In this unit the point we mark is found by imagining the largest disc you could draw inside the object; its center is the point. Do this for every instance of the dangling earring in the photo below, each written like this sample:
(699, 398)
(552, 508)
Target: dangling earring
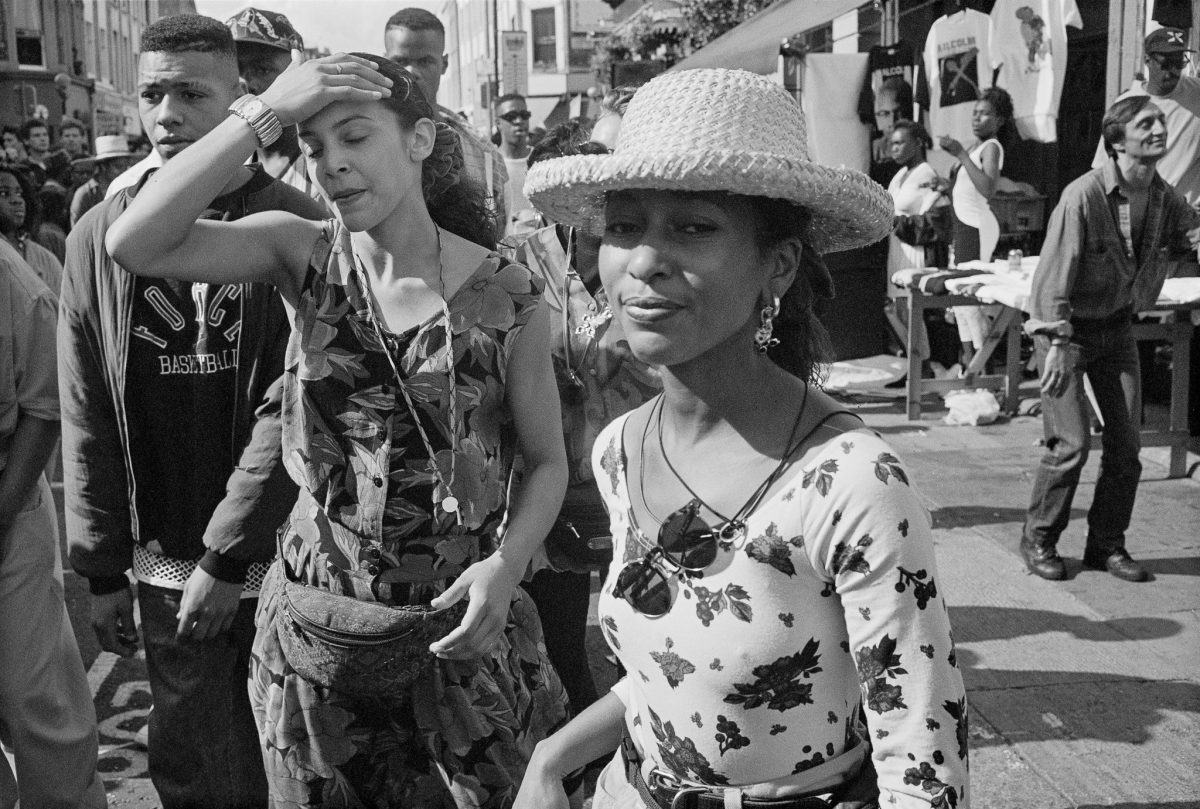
(766, 325)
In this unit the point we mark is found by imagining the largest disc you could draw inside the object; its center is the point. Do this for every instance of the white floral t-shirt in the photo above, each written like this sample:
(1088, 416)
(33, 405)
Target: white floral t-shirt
(827, 603)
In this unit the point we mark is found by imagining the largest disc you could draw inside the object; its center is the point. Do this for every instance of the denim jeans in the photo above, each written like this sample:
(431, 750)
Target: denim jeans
(204, 749)
(1107, 355)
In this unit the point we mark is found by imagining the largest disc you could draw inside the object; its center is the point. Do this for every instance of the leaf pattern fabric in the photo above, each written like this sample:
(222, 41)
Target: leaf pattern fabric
(837, 615)
(365, 526)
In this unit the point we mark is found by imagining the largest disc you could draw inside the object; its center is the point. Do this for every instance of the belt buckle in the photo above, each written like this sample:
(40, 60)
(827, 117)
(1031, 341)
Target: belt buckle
(684, 792)
(668, 781)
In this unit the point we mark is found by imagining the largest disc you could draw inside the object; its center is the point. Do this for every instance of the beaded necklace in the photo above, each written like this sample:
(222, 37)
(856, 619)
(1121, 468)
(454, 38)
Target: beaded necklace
(449, 503)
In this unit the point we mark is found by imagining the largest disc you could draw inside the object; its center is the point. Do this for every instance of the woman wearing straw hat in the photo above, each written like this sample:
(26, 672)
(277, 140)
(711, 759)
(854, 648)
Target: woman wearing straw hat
(774, 582)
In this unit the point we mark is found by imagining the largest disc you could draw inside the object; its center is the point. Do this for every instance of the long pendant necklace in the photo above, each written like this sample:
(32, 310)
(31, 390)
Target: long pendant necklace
(731, 526)
(449, 503)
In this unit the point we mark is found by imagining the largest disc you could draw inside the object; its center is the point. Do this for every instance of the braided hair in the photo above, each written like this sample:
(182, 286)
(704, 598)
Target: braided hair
(455, 202)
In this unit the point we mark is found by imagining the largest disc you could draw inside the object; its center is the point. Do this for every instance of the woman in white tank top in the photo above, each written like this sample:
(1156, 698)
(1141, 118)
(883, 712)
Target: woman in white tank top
(976, 229)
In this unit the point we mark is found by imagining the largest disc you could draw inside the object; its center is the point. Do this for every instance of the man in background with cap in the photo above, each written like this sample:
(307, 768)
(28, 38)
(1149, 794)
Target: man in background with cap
(264, 41)
(416, 40)
(1178, 96)
(112, 157)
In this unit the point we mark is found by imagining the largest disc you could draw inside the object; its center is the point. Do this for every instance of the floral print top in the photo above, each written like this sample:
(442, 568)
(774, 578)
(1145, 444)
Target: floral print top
(365, 523)
(828, 602)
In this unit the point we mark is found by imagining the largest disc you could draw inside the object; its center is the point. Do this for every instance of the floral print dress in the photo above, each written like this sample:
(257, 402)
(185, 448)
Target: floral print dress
(365, 526)
(828, 604)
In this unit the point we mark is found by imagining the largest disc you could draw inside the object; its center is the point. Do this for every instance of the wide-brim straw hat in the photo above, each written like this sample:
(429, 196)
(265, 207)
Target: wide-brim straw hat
(108, 147)
(715, 130)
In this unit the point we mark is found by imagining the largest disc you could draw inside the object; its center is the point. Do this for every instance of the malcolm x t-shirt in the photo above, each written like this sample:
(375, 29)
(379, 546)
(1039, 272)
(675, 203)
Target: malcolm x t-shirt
(180, 394)
(958, 68)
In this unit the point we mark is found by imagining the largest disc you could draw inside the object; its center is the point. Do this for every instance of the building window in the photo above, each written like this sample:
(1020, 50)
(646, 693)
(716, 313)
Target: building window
(581, 50)
(27, 19)
(545, 43)
(29, 48)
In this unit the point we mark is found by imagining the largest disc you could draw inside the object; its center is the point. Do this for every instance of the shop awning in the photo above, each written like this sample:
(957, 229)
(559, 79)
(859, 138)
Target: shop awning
(754, 45)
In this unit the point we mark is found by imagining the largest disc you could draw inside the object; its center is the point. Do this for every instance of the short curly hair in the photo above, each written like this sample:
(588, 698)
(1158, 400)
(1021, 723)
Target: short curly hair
(188, 33)
(416, 19)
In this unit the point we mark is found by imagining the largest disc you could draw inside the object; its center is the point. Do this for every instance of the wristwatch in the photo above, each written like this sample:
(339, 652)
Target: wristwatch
(262, 119)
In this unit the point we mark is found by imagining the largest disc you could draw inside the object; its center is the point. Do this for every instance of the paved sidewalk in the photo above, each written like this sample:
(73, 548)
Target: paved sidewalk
(1085, 692)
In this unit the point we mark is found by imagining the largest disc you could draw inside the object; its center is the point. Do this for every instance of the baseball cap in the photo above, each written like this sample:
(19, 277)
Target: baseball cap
(264, 28)
(1167, 40)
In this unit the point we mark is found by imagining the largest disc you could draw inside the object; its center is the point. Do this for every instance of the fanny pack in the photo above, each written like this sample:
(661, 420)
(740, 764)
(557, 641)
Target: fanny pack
(357, 647)
(581, 539)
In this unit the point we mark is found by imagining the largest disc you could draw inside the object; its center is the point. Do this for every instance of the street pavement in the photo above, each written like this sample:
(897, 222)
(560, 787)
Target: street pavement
(1084, 693)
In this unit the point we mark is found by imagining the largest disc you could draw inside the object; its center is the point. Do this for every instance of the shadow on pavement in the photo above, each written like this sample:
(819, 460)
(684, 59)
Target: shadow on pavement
(970, 516)
(1177, 566)
(981, 623)
(1074, 705)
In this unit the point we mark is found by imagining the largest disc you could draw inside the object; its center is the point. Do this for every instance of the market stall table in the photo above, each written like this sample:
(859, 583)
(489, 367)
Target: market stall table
(994, 284)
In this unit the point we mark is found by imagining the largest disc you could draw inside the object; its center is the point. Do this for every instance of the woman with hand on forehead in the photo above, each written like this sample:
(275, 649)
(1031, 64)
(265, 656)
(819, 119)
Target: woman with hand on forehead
(774, 580)
(418, 365)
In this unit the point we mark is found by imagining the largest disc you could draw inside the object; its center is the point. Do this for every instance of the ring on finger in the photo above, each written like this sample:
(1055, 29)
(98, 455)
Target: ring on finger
(338, 67)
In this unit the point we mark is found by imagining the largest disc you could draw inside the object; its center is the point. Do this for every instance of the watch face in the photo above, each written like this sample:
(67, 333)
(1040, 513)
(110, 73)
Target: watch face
(253, 107)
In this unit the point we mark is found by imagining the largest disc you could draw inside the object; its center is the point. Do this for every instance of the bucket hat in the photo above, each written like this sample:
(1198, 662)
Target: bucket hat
(108, 147)
(715, 130)
(261, 27)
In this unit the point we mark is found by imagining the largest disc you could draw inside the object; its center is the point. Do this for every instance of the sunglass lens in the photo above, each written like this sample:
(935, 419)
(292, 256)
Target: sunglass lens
(645, 588)
(688, 539)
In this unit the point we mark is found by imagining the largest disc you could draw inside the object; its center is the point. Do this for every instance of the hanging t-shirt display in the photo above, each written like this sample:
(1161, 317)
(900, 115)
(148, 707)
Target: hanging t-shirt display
(1029, 45)
(1173, 13)
(958, 67)
(891, 64)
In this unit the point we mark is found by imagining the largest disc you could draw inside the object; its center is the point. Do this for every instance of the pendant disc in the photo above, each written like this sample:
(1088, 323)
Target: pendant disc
(450, 504)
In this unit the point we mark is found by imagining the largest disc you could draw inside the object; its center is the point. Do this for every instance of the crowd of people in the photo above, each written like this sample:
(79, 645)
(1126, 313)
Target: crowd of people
(356, 403)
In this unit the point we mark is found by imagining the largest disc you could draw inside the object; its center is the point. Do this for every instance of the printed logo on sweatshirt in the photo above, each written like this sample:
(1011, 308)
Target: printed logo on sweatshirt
(208, 344)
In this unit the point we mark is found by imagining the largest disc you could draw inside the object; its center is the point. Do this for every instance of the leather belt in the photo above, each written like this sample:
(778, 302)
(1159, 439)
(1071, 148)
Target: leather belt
(666, 795)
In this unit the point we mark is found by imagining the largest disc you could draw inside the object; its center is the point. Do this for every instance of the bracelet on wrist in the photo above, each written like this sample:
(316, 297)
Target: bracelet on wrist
(261, 118)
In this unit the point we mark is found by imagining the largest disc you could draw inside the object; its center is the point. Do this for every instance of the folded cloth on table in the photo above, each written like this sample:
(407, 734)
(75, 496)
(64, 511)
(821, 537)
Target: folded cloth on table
(1012, 295)
(1180, 290)
(1028, 265)
(905, 279)
(935, 284)
(961, 285)
(864, 373)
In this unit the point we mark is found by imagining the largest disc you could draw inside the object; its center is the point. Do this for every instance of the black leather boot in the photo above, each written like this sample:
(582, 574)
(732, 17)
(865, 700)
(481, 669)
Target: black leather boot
(1043, 560)
(1117, 562)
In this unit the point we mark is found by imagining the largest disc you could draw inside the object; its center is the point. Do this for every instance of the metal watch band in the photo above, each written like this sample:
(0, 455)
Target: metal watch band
(264, 122)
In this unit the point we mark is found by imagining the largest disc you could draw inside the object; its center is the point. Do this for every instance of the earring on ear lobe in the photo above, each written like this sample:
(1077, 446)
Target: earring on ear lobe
(766, 325)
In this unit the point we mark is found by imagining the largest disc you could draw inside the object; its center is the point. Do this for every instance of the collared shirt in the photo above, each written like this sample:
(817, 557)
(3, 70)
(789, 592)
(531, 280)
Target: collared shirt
(133, 175)
(1089, 268)
(482, 162)
(598, 377)
(28, 370)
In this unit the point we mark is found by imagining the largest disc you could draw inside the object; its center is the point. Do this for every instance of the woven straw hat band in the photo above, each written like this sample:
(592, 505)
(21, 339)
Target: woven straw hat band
(719, 111)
